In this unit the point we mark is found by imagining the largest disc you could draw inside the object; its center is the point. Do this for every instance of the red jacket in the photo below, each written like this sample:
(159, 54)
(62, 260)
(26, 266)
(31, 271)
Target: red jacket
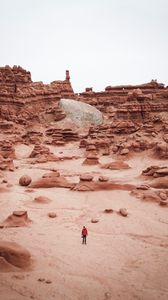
(84, 232)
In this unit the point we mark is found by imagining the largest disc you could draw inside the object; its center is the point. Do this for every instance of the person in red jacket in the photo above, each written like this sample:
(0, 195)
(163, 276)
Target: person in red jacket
(84, 235)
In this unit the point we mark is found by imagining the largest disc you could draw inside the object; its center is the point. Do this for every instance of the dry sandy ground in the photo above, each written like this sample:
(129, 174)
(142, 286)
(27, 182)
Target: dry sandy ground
(125, 258)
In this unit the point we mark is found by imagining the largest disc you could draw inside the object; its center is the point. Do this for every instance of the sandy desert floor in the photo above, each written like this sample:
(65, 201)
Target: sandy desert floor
(125, 258)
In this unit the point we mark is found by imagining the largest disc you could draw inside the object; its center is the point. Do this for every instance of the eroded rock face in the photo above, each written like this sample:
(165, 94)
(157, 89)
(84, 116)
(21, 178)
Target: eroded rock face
(60, 136)
(7, 150)
(136, 103)
(22, 100)
(155, 171)
(15, 255)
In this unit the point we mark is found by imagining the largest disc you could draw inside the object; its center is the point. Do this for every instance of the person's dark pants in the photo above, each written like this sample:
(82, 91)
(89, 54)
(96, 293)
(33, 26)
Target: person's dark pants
(84, 239)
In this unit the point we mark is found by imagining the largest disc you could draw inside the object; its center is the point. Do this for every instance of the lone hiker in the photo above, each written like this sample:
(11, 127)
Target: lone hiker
(84, 234)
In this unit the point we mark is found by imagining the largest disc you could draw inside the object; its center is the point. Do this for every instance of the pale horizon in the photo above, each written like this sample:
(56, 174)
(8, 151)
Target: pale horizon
(101, 43)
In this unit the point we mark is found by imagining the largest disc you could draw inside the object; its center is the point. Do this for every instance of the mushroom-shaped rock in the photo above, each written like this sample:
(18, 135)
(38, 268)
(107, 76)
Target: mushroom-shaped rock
(25, 180)
(42, 199)
(91, 159)
(18, 218)
(15, 254)
(52, 215)
(123, 212)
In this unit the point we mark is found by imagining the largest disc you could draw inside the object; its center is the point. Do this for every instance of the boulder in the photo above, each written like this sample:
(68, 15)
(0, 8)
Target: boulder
(25, 180)
(82, 114)
(123, 212)
(52, 215)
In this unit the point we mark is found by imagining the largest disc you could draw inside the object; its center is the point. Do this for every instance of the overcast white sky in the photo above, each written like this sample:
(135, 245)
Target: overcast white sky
(101, 42)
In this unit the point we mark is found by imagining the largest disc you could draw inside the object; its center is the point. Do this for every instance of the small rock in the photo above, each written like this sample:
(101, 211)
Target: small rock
(163, 202)
(4, 181)
(163, 196)
(41, 279)
(86, 177)
(52, 214)
(103, 179)
(108, 210)
(9, 185)
(48, 281)
(124, 151)
(18, 276)
(29, 190)
(94, 220)
(123, 212)
(143, 187)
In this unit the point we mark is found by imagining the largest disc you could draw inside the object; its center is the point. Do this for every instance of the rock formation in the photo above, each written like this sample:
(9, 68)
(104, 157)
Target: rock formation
(42, 154)
(17, 219)
(14, 255)
(25, 180)
(116, 165)
(51, 180)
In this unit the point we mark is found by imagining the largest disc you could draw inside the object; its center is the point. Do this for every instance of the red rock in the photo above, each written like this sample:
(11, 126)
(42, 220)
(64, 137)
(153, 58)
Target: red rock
(15, 254)
(123, 212)
(42, 199)
(86, 177)
(25, 180)
(116, 165)
(52, 214)
(108, 210)
(17, 219)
